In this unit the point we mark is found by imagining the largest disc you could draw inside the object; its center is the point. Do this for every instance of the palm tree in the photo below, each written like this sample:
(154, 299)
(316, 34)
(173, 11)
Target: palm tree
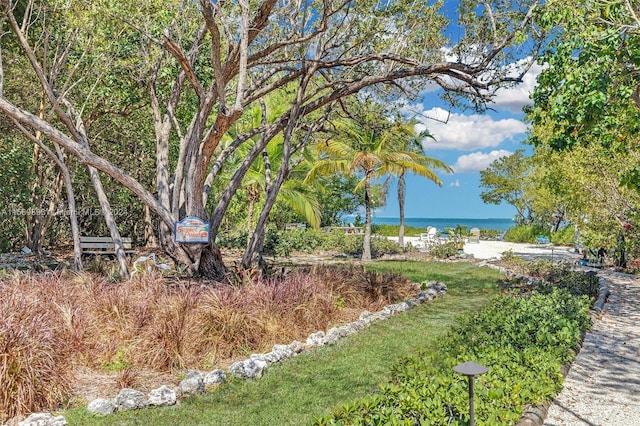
(407, 140)
(293, 193)
(370, 153)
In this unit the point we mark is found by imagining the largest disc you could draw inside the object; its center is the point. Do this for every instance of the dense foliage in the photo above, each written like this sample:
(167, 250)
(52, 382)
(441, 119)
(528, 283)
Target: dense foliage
(523, 341)
(285, 243)
(191, 108)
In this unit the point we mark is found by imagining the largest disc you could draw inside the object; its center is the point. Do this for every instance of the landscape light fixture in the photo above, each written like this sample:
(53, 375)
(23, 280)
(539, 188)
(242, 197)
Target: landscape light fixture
(470, 369)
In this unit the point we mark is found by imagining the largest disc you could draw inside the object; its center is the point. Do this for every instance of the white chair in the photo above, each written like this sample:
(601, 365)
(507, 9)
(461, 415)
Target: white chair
(475, 235)
(430, 237)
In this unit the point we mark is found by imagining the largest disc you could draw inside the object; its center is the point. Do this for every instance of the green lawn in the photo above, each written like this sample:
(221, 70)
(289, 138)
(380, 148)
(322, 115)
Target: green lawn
(297, 390)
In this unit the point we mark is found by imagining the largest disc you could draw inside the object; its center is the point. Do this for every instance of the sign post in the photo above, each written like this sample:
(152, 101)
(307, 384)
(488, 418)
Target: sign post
(191, 230)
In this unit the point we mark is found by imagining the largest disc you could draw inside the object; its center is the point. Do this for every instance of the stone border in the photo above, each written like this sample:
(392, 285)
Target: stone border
(197, 382)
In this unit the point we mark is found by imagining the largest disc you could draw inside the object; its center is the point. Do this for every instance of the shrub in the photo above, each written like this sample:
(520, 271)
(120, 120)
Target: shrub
(310, 240)
(444, 251)
(34, 352)
(236, 240)
(550, 276)
(301, 240)
(53, 323)
(564, 237)
(523, 341)
(353, 245)
(490, 234)
(394, 230)
(525, 233)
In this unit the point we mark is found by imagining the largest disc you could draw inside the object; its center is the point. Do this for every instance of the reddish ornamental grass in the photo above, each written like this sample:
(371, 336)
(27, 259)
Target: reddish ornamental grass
(55, 323)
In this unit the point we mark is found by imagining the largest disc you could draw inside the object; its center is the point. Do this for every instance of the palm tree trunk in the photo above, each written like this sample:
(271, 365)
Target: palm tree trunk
(401, 193)
(366, 246)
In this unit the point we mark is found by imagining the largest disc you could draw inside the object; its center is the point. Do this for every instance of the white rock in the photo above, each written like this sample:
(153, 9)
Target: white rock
(316, 339)
(162, 396)
(281, 352)
(215, 377)
(130, 399)
(101, 406)
(248, 369)
(43, 419)
(193, 383)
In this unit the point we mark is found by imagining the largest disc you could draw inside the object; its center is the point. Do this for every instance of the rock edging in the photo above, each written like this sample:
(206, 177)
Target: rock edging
(197, 382)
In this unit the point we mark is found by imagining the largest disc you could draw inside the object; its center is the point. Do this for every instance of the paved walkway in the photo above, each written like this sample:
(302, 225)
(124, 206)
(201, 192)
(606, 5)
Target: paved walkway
(603, 385)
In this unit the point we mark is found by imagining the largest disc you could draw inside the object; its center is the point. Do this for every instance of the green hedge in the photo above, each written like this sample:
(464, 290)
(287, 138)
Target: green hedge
(522, 341)
(525, 233)
(529, 233)
(310, 240)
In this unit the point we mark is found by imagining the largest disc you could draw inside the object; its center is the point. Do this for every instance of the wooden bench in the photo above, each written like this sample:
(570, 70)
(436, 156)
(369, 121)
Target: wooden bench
(103, 245)
(292, 226)
(346, 229)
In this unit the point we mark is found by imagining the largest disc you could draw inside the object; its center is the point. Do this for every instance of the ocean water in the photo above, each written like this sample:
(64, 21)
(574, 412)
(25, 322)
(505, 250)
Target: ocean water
(501, 224)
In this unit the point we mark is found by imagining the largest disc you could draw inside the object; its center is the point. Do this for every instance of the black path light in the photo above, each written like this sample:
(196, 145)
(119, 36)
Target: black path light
(470, 369)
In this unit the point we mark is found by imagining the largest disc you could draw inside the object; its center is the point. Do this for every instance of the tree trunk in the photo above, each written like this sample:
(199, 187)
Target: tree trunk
(73, 217)
(38, 222)
(256, 242)
(105, 206)
(212, 265)
(401, 194)
(366, 245)
(150, 238)
(58, 158)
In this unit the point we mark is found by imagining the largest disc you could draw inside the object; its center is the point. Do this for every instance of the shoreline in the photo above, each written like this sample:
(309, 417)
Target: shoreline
(486, 249)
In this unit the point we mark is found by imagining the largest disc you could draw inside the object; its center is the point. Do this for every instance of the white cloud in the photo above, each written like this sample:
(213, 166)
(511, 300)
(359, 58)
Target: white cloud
(478, 160)
(466, 132)
(514, 98)
(455, 184)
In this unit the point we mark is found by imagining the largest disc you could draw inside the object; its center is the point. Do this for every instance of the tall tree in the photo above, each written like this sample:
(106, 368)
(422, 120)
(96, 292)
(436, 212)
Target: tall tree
(371, 153)
(589, 89)
(406, 140)
(207, 62)
(587, 103)
(507, 180)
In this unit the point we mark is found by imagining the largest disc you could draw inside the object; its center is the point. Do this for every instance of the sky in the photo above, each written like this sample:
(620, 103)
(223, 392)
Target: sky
(468, 142)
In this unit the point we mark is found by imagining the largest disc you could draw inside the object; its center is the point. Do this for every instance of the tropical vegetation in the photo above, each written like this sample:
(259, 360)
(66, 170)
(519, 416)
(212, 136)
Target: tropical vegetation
(122, 118)
(164, 110)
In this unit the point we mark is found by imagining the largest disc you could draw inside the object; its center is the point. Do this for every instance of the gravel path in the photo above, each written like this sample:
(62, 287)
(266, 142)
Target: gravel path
(603, 385)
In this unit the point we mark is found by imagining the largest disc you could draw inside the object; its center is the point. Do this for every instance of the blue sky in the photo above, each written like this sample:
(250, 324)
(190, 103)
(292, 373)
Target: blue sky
(468, 142)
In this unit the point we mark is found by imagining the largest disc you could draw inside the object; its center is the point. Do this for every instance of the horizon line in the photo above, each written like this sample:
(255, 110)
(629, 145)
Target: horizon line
(448, 218)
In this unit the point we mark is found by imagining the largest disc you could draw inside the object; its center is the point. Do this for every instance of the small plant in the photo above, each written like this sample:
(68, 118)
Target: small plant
(458, 235)
(239, 275)
(514, 262)
(444, 251)
(127, 378)
(118, 362)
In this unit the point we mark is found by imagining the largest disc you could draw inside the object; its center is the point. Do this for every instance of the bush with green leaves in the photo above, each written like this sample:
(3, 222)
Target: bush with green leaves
(490, 234)
(525, 233)
(444, 251)
(564, 237)
(523, 342)
(309, 240)
(379, 246)
(394, 230)
(548, 276)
